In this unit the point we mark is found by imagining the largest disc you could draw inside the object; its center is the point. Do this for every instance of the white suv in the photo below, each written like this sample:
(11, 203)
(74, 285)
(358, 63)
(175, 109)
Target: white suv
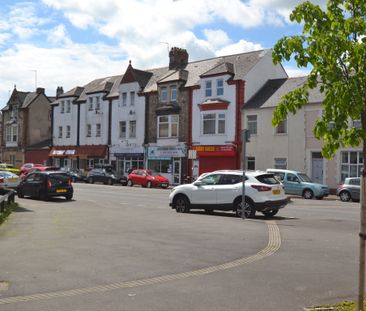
(222, 190)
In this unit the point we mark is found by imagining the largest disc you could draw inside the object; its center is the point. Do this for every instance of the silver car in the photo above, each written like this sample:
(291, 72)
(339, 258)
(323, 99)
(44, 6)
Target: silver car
(350, 189)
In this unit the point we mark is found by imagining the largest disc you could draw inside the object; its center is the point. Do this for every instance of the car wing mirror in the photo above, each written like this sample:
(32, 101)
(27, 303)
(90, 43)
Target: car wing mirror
(198, 183)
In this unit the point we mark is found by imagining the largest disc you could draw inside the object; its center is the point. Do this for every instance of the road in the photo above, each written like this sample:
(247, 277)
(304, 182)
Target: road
(119, 248)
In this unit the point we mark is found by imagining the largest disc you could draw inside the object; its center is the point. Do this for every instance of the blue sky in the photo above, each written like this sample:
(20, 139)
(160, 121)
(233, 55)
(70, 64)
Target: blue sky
(50, 43)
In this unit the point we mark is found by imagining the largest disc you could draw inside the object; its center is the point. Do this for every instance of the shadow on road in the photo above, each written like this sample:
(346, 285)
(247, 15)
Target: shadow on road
(232, 215)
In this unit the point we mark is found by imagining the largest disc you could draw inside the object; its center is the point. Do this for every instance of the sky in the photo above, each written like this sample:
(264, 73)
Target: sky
(68, 43)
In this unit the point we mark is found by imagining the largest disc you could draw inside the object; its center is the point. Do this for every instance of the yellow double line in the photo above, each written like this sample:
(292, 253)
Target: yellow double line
(274, 243)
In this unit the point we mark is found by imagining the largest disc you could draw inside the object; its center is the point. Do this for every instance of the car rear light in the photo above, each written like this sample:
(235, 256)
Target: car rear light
(49, 184)
(261, 188)
(69, 181)
(1, 180)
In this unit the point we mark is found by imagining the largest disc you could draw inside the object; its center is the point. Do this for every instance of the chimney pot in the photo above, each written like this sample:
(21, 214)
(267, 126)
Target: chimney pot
(40, 90)
(178, 58)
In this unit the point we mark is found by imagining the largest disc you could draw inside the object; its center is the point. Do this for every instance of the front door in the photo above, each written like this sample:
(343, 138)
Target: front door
(317, 167)
(176, 171)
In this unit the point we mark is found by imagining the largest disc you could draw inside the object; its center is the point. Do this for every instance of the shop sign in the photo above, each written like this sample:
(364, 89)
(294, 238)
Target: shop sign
(119, 151)
(58, 152)
(70, 152)
(166, 152)
(221, 148)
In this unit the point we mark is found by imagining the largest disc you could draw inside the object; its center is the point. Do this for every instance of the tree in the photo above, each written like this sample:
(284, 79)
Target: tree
(333, 44)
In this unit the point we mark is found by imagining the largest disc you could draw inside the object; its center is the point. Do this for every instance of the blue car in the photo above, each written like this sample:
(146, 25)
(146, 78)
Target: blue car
(298, 183)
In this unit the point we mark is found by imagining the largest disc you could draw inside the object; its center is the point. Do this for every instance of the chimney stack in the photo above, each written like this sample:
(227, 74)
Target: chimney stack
(178, 58)
(59, 91)
(40, 90)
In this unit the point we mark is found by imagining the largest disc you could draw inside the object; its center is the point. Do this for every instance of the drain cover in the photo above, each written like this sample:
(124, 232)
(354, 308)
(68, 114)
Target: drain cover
(4, 285)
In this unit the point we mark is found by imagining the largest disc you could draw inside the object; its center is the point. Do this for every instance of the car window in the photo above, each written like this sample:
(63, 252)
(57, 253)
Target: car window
(279, 175)
(268, 179)
(292, 177)
(58, 177)
(305, 177)
(355, 182)
(227, 179)
(211, 179)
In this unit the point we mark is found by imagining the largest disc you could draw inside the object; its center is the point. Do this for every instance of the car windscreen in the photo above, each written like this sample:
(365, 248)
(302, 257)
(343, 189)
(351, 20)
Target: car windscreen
(59, 179)
(268, 179)
(304, 177)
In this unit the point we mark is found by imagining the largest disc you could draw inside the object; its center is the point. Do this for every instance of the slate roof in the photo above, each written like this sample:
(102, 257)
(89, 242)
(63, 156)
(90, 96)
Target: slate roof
(271, 93)
(220, 69)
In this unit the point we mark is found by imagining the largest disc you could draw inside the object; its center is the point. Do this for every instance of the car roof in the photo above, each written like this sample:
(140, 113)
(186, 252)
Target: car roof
(283, 170)
(49, 172)
(239, 172)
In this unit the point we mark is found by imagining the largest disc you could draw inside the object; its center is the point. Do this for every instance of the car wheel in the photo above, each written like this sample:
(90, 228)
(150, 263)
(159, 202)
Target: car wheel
(345, 196)
(90, 180)
(181, 204)
(249, 208)
(68, 197)
(129, 183)
(308, 194)
(148, 184)
(43, 195)
(270, 213)
(20, 193)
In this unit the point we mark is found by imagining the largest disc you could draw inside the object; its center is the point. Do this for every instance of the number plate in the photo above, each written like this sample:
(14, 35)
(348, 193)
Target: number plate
(12, 179)
(61, 190)
(164, 184)
(276, 191)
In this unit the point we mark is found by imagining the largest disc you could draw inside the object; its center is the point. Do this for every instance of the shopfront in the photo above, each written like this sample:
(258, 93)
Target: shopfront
(126, 158)
(215, 157)
(169, 161)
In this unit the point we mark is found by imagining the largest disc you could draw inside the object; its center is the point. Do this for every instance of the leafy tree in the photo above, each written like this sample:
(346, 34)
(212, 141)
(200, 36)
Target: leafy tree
(333, 43)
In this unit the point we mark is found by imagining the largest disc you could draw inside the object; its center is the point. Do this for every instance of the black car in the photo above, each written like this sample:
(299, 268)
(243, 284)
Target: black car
(101, 175)
(75, 174)
(46, 184)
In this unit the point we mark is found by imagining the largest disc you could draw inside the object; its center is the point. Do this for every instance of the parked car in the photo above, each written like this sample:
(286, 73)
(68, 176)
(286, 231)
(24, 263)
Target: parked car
(9, 179)
(350, 189)
(39, 169)
(46, 184)
(222, 190)
(26, 167)
(299, 183)
(9, 168)
(101, 175)
(75, 174)
(147, 178)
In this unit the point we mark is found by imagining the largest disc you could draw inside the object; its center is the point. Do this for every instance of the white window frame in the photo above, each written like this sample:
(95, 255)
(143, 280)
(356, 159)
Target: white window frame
(172, 123)
(208, 88)
(98, 130)
(218, 116)
(12, 134)
(90, 104)
(132, 127)
(88, 130)
(252, 125)
(97, 103)
(60, 132)
(282, 123)
(68, 131)
(219, 89)
(132, 98)
(124, 99)
(62, 107)
(351, 167)
(68, 106)
(122, 129)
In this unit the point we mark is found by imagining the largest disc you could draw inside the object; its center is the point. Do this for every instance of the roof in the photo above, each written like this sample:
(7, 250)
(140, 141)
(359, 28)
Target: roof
(272, 92)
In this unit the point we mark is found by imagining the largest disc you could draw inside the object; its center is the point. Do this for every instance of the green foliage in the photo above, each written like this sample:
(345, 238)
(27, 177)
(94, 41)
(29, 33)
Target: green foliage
(343, 306)
(333, 43)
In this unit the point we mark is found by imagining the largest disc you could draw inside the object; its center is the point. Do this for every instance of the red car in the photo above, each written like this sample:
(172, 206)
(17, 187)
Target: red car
(39, 168)
(27, 167)
(147, 178)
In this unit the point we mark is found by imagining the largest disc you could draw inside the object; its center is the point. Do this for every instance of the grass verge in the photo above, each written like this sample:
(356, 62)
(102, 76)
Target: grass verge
(342, 306)
(4, 215)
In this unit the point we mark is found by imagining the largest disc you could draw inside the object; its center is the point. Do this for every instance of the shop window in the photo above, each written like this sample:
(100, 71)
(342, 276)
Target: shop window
(220, 87)
(351, 164)
(132, 129)
(208, 88)
(213, 123)
(160, 166)
(122, 129)
(280, 163)
(168, 126)
(252, 124)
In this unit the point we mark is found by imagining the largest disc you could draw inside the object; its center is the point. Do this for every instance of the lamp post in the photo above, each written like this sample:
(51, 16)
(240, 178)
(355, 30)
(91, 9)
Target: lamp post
(245, 137)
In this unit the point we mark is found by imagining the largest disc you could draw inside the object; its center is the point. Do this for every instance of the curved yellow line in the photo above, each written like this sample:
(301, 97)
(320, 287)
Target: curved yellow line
(274, 243)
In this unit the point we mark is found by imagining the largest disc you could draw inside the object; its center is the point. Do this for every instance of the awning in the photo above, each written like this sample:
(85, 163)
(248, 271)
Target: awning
(85, 151)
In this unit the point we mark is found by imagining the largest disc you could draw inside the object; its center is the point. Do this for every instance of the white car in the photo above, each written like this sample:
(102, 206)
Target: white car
(9, 179)
(222, 190)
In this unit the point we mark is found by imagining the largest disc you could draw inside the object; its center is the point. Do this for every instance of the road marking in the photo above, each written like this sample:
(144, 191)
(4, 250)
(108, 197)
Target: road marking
(274, 244)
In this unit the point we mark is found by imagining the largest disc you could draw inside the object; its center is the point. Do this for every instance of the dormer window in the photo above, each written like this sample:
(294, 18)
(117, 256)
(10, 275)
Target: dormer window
(220, 87)
(163, 94)
(173, 93)
(208, 88)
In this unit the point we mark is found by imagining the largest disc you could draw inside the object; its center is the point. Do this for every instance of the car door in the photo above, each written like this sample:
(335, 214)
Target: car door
(228, 188)
(292, 184)
(204, 191)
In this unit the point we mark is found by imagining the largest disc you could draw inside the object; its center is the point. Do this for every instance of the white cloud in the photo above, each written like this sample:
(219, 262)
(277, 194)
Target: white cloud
(239, 47)
(217, 38)
(296, 72)
(58, 35)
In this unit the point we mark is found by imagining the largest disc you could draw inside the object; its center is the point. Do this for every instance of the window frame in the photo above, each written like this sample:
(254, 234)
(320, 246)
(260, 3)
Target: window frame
(68, 106)
(173, 90)
(62, 107)
(60, 134)
(68, 131)
(90, 104)
(252, 125)
(132, 98)
(124, 99)
(88, 130)
(163, 91)
(132, 129)
(121, 123)
(277, 163)
(216, 120)
(98, 130)
(282, 123)
(208, 88)
(172, 125)
(220, 87)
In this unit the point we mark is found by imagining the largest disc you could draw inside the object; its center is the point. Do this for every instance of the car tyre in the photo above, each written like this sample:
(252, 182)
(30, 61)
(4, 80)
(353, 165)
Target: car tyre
(270, 213)
(148, 184)
(90, 180)
(345, 196)
(129, 183)
(308, 194)
(68, 197)
(181, 204)
(110, 181)
(20, 194)
(249, 209)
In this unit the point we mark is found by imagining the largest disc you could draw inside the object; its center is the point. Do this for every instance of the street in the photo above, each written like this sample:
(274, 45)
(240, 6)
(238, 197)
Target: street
(121, 248)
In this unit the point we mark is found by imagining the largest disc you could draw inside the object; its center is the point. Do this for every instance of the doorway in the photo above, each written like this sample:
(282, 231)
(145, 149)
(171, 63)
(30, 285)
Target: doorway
(317, 167)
